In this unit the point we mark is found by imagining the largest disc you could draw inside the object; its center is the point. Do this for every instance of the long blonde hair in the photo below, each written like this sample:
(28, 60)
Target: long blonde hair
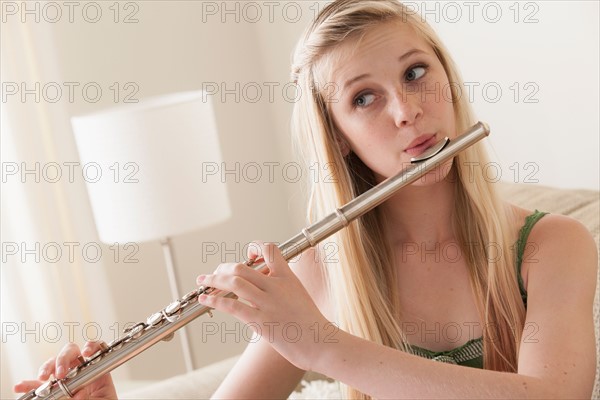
(362, 278)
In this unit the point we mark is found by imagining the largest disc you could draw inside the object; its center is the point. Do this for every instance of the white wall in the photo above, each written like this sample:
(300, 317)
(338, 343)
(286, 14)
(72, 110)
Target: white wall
(184, 45)
(545, 122)
(533, 71)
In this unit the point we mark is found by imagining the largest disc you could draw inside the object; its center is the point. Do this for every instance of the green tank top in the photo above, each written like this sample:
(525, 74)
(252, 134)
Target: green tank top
(470, 354)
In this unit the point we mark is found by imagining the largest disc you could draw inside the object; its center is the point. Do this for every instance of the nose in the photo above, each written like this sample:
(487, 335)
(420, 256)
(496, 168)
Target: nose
(405, 107)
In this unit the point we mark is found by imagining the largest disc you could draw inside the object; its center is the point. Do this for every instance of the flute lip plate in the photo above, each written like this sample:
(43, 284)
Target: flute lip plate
(432, 151)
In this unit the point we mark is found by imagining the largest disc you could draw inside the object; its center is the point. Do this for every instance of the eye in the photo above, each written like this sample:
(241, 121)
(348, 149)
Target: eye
(363, 100)
(415, 72)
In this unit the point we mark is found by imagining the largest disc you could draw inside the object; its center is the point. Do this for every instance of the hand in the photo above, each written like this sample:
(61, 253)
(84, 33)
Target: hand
(277, 306)
(101, 388)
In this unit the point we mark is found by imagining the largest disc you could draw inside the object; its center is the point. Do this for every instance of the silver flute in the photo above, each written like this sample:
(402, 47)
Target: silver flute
(163, 324)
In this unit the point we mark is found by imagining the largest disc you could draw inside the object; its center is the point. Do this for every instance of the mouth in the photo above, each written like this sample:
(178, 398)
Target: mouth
(420, 144)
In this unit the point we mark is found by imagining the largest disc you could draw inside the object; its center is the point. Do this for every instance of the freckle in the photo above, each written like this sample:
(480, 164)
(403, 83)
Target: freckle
(573, 364)
(452, 289)
(545, 366)
(380, 362)
(565, 373)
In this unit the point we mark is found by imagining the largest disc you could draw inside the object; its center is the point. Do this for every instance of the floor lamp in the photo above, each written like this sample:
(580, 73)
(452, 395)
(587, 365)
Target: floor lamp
(143, 164)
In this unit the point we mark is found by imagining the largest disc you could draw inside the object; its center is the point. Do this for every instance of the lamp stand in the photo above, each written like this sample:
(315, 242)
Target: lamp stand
(170, 263)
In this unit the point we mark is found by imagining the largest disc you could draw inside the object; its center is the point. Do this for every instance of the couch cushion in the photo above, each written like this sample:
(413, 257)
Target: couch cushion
(198, 384)
(580, 204)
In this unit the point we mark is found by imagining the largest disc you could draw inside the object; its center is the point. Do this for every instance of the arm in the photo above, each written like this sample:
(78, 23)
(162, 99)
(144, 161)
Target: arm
(261, 372)
(560, 364)
(557, 354)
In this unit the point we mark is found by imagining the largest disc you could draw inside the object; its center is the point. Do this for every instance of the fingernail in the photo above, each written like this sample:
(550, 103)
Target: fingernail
(42, 373)
(200, 278)
(202, 297)
(59, 372)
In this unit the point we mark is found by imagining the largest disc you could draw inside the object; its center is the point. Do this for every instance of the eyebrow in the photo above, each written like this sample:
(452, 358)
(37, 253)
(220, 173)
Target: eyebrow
(362, 76)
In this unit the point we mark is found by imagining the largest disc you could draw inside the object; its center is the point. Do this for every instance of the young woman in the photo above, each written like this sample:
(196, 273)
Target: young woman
(442, 291)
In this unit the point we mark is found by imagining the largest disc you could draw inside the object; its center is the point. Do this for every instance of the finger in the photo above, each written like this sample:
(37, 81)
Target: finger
(254, 277)
(66, 359)
(256, 254)
(236, 284)
(274, 259)
(222, 267)
(92, 347)
(254, 251)
(46, 369)
(236, 308)
(26, 386)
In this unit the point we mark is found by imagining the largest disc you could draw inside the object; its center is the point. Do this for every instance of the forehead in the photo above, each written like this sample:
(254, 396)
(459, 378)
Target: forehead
(377, 47)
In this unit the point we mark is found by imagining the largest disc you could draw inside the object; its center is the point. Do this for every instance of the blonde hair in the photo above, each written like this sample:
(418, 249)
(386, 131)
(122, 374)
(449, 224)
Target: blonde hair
(362, 279)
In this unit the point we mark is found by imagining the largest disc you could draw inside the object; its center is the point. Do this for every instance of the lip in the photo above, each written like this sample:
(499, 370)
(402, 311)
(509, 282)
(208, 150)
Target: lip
(420, 144)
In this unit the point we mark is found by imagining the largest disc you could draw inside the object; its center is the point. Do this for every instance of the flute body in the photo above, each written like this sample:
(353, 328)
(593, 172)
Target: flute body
(163, 324)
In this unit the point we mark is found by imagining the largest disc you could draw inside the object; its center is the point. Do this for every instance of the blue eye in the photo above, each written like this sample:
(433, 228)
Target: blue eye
(361, 100)
(415, 72)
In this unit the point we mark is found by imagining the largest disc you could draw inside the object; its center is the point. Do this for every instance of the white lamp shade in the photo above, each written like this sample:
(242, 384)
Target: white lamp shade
(151, 156)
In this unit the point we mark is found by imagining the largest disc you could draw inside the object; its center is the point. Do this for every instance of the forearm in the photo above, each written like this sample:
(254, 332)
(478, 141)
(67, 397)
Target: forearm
(383, 372)
(260, 373)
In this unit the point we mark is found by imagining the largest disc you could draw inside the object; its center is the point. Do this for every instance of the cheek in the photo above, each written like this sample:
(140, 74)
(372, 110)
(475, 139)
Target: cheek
(440, 108)
(353, 129)
(366, 136)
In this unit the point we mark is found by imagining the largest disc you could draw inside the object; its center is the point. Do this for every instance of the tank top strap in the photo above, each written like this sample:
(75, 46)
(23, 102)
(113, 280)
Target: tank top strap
(521, 244)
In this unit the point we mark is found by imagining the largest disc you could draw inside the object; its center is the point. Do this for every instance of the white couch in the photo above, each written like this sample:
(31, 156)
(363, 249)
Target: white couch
(583, 205)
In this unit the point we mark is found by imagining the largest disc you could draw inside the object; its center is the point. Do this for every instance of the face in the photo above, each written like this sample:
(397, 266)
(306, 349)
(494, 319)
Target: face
(392, 100)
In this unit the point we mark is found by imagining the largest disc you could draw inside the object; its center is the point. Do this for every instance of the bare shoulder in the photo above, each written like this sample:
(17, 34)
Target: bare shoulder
(562, 247)
(310, 271)
(564, 232)
(557, 240)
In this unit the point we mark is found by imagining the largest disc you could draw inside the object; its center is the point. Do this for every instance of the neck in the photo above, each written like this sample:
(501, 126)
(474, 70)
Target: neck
(421, 214)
